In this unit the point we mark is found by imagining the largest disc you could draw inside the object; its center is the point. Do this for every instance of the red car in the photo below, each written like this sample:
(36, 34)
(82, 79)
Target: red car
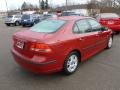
(60, 44)
(110, 20)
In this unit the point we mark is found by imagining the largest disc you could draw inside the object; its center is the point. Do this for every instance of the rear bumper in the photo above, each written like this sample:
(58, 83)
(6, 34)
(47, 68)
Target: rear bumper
(36, 64)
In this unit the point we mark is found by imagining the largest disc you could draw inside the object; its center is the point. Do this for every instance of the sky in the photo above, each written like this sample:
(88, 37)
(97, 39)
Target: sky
(15, 4)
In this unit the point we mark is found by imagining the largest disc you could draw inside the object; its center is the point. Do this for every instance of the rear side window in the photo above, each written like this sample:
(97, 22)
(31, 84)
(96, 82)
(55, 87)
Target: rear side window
(94, 24)
(76, 30)
(48, 26)
(83, 26)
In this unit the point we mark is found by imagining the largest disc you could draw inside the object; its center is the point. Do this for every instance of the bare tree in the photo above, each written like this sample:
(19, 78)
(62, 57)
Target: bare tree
(117, 3)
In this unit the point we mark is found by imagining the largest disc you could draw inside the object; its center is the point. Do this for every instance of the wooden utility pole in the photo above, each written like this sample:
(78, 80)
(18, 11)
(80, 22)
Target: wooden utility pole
(114, 3)
(66, 5)
(39, 6)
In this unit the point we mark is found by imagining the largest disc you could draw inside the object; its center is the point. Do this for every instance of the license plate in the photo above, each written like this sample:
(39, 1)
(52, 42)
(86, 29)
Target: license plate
(20, 44)
(110, 22)
(25, 20)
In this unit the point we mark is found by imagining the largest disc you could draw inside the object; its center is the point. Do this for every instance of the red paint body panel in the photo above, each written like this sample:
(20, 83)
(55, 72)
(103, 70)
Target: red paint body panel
(113, 24)
(61, 43)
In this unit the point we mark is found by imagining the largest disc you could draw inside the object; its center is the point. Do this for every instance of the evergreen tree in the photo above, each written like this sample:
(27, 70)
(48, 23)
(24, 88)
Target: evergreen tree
(46, 4)
(42, 5)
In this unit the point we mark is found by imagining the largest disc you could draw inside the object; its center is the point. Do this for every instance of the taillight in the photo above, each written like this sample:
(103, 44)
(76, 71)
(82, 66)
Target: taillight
(38, 47)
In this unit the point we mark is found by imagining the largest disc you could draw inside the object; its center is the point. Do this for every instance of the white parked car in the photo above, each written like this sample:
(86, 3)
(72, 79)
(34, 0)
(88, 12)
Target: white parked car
(13, 20)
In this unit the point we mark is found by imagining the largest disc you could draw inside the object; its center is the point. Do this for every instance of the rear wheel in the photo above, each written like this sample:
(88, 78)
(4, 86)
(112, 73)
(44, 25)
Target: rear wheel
(71, 63)
(110, 42)
(117, 32)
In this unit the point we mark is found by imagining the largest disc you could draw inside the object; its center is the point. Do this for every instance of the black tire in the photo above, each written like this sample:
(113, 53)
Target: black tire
(66, 67)
(17, 23)
(7, 24)
(110, 42)
(23, 25)
(32, 24)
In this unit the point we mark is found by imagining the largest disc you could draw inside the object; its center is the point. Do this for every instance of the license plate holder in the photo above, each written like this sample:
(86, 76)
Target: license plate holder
(20, 44)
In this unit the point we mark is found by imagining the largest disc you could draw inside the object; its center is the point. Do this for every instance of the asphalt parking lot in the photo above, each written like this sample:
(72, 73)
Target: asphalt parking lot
(101, 72)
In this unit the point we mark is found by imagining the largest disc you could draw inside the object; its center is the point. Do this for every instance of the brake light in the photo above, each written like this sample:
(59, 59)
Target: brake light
(38, 47)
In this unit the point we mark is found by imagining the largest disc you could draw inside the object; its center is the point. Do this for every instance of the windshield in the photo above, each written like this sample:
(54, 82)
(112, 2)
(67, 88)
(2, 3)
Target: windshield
(26, 17)
(48, 26)
(109, 15)
(9, 16)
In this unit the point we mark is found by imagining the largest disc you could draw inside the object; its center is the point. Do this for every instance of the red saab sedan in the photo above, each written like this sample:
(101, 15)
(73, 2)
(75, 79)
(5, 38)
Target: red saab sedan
(110, 20)
(60, 44)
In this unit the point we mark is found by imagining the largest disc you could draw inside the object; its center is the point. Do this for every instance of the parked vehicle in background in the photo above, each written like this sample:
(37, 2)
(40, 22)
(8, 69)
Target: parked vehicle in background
(29, 19)
(13, 20)
(67, 13)
(47, 16)
(71, 13)
(110, 20)
(77, 14)
(58, 44)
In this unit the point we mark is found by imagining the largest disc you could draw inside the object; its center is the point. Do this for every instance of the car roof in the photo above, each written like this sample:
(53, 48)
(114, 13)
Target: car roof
(72, 18)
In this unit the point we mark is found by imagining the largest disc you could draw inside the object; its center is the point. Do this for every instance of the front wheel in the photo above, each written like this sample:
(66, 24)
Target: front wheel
(23, 25)
(71, 63)
(17, 23)
(110, 43)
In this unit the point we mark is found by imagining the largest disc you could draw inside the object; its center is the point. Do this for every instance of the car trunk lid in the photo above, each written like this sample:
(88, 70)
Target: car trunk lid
(24, 39)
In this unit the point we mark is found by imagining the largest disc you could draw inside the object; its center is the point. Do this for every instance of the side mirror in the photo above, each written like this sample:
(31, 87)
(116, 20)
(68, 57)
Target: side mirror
(103, 28)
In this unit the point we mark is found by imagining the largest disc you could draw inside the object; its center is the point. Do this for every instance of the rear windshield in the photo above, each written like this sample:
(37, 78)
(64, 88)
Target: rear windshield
(26, 17)
(48, 26)
(111, 15)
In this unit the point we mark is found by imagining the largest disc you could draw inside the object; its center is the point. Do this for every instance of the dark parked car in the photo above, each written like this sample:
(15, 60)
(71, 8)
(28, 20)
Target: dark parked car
(67, 13)
(77, 14)
(46, 16)
(29, 19)
(60, 43)
(71, 13)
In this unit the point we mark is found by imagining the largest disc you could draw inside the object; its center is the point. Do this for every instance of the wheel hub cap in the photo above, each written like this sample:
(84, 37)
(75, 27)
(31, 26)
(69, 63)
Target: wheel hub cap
(72, 63)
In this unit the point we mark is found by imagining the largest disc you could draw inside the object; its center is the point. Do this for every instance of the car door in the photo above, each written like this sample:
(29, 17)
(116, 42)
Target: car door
(102, 36)
(86, 38)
